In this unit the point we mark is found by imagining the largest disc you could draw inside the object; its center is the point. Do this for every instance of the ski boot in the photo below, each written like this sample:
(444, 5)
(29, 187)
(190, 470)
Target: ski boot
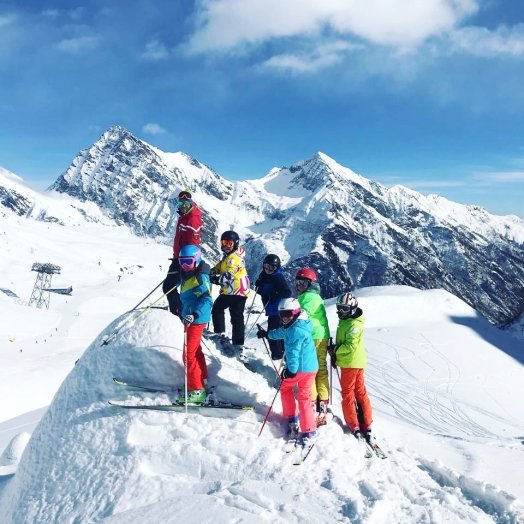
(359, 435)
(322, 412)
(308, 438)
(370, 439)
(195, 396)
(292, 428)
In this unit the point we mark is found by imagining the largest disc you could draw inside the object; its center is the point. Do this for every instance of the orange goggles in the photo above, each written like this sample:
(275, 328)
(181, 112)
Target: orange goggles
(228, 243)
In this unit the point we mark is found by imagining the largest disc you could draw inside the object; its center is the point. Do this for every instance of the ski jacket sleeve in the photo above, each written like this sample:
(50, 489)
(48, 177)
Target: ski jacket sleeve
(276, 334)
(281, 289)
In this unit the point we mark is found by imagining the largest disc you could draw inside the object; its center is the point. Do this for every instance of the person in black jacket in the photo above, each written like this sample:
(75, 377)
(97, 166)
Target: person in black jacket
(272, 286)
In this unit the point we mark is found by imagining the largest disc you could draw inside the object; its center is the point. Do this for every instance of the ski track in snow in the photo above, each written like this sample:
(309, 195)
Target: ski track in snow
(444, 411)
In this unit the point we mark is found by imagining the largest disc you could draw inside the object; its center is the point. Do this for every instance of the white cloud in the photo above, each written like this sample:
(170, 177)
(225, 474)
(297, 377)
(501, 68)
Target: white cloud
(6, 20)
(224, 25)
(78, 44)
(500, 176)
(312, 60)
(155, 51)
(153, 129)
(484, 42)
(51, 13)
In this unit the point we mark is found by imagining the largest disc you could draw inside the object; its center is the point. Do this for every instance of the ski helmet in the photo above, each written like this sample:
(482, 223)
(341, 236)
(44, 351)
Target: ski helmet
(189, 257)
(305, 272)
(185, 194)
(303, 279)
(347, 304)
(272, 260)
(288, 310)
(230, 238)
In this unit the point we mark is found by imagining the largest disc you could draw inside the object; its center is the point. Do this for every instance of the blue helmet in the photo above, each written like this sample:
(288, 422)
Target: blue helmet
(189, 257)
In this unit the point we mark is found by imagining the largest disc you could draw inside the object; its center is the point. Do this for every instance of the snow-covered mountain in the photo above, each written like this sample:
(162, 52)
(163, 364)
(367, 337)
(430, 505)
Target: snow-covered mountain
(446, 388)
(354, 232)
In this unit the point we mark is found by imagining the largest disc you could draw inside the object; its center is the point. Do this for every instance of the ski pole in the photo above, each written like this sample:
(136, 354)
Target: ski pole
(249, 314)
(147, 296)
(116, 331)
(256, 320)
(184, 358)
(270, 408)
(331, 370)
(269, 353)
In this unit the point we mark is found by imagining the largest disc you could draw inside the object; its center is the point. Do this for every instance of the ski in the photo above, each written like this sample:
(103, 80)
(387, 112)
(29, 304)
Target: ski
(302, 452)
(219, 406)
(376, 450)
(144, 385)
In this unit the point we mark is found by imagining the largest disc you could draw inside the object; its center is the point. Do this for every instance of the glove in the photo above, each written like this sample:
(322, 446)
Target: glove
(333, 359)
(215, 279)
(188, 320)
(261, 333)
(287, 374)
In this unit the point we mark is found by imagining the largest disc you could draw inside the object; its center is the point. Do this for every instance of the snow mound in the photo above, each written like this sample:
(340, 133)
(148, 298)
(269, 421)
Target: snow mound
(88, 461)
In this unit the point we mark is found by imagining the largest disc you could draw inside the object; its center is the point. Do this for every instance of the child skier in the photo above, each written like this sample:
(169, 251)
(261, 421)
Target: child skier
(188, 231)
(272, 287)
(311, 302)
(301, 367)
(231, 274)
(195, 295)
(350, 356)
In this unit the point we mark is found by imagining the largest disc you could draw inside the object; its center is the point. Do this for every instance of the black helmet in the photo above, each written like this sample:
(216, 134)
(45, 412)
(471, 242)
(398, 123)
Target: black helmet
(232, 236)
(272, 260)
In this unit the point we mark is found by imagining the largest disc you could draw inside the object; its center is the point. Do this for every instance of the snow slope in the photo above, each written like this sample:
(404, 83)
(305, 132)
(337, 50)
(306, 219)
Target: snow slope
(446, 388)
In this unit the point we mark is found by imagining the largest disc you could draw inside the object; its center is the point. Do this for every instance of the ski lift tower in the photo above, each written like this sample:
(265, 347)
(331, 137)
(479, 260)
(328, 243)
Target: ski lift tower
(40, 294)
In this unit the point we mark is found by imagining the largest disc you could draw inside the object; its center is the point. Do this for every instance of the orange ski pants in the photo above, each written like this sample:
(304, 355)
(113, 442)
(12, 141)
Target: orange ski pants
(353, 388)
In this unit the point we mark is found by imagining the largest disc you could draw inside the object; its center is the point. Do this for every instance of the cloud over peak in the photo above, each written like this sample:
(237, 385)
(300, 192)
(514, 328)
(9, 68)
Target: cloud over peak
(224, 25)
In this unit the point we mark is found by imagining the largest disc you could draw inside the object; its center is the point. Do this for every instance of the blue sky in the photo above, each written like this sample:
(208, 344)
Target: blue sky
(427, 94)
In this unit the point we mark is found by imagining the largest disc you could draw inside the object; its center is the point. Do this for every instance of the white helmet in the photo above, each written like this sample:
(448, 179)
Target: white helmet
(347, 304)
(288, 310)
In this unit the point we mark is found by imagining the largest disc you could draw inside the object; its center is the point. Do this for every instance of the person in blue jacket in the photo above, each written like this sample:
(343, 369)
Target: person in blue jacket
(301, 367)
(195, 295)
(272, 287)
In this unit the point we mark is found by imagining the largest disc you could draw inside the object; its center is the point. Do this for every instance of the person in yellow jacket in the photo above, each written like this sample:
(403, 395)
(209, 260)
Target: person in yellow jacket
(311, 302)
(230, 273)
(350, 356)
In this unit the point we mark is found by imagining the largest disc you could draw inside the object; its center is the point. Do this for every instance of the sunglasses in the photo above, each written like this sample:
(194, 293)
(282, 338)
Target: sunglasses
(302, 282)
(228, 243)
(269, 267)
(285, 314)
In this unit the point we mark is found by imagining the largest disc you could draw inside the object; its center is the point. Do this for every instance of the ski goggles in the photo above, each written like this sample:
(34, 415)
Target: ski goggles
(184, 196)
(228, 243)
(301, 282)
(186, 263)
(269, 267)
(286, 314)
(342, 308)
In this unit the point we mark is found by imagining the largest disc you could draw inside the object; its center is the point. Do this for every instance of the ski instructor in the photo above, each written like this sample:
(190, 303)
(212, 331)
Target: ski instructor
(188, 232)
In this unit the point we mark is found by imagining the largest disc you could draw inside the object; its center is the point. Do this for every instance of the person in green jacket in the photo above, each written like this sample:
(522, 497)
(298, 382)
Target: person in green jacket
(311, 302)
(350, 356)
